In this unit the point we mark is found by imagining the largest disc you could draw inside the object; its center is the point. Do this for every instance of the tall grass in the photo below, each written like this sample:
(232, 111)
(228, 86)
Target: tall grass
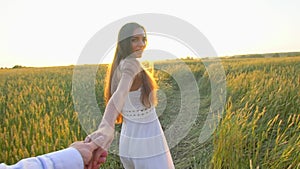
(261, 128)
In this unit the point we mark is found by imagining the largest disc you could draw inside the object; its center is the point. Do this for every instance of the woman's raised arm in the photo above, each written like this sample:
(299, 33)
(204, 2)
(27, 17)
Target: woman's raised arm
(104, 135)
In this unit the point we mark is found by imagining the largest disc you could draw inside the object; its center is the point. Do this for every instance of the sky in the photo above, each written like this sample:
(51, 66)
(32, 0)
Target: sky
(53, 33)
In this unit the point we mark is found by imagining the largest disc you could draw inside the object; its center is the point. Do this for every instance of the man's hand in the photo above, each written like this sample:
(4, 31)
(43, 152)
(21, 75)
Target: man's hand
(91, 153)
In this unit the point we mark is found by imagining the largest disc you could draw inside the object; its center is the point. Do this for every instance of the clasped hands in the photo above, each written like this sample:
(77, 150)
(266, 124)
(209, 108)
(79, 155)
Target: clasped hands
(93, 155)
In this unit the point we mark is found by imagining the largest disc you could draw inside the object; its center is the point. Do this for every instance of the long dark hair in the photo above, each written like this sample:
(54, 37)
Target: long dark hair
(123, 50)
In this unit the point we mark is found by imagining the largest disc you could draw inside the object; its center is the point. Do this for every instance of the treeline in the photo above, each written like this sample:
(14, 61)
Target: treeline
(14, 67)
(267, 55)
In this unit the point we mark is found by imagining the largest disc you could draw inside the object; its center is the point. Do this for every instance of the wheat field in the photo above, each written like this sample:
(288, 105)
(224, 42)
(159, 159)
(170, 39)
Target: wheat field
(259, 127)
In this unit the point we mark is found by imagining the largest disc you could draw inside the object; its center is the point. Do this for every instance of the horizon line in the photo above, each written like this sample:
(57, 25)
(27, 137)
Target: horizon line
(296, 53)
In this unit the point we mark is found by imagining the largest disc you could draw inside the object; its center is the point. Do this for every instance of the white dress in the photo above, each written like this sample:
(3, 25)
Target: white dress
(142, 141)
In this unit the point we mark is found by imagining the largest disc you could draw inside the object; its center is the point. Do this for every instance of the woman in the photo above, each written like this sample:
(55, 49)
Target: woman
(130, 96)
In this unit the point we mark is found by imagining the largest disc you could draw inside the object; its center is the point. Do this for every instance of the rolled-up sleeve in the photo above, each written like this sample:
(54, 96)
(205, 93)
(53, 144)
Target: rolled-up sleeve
(63, 159)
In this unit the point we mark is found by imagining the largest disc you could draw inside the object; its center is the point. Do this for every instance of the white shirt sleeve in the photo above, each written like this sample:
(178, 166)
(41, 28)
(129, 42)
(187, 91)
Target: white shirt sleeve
(63, 159)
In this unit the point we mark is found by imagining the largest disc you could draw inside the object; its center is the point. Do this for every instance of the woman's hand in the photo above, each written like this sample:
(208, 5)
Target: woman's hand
(104, 135)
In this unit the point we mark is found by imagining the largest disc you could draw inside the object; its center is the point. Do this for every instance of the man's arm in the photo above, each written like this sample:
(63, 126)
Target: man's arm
(77, 156)
(67, 158)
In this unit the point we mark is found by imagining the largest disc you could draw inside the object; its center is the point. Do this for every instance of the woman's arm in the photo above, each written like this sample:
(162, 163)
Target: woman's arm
(105, 133)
